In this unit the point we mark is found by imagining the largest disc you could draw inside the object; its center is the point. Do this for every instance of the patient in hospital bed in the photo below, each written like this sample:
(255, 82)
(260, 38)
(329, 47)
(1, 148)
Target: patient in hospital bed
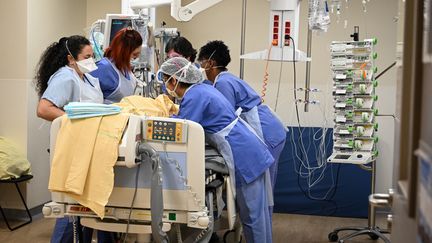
(162, 106)
(87, 150)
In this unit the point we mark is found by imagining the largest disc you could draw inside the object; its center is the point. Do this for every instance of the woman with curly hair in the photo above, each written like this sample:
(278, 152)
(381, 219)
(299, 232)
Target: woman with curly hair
(62, 76)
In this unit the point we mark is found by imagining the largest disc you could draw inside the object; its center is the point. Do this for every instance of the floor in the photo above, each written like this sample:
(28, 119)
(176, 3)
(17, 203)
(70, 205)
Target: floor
(286, 228)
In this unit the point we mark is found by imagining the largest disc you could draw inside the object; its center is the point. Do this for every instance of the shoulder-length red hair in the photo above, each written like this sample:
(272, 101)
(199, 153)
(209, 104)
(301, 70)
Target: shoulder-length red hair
(122, 46)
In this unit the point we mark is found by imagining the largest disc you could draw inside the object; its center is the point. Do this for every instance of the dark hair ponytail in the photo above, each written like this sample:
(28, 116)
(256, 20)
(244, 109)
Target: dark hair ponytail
(55, 57)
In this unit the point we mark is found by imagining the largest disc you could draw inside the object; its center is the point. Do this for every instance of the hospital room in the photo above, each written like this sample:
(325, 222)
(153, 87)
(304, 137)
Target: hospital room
(221, 121)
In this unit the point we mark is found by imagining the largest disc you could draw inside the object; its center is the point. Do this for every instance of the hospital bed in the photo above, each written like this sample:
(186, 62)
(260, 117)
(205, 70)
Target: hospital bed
(189, 173)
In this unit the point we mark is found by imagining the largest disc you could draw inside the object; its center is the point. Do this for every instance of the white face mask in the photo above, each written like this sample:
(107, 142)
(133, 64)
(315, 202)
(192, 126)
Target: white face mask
(203, 73)
(172, 92)
(87, 65)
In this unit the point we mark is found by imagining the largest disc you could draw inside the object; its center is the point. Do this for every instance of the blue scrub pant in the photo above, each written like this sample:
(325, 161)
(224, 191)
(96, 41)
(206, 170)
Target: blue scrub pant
(102, 236)
(252, 206)
(63, 232)
(275, 152)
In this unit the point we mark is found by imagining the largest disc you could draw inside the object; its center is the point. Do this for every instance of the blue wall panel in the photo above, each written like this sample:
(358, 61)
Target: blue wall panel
(347, 186)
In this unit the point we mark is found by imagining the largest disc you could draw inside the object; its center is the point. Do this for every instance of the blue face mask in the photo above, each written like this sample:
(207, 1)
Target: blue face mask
(77, 110)
(135, 61)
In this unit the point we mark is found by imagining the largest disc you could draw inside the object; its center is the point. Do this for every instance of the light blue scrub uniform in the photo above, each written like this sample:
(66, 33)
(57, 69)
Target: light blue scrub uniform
(243, 151)
(115, 84)
(66, 86)
(259, 116)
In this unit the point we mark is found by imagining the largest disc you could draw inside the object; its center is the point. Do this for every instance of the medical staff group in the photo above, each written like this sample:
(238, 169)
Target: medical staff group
(246, 132)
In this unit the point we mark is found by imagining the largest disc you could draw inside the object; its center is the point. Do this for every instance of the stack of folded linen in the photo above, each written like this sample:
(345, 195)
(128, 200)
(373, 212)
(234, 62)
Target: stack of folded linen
(76, 110)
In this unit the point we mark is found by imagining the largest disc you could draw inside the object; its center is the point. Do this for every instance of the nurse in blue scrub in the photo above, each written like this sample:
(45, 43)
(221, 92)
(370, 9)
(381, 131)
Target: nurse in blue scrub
(246, 155)
(214, 58)
(62, 77)
(115, 70)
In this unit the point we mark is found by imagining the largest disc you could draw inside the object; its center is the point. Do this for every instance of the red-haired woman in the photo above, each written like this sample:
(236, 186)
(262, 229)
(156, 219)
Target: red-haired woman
(114, 70)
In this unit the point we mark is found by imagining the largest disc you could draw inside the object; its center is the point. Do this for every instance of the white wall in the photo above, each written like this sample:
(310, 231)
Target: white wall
(13, 41)
(223, 22)
(12, 70)
(13, 83)
(97, 9)
(57, 18)
(36, 25)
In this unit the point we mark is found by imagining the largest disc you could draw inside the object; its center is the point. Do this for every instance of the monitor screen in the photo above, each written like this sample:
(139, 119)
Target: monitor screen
(114, 23)
(118, 24)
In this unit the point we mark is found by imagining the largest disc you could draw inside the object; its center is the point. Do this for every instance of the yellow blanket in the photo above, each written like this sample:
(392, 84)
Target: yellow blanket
(162, 106)
(87, 149)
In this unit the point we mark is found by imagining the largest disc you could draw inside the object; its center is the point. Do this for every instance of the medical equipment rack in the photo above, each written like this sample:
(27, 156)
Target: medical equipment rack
(353, 67)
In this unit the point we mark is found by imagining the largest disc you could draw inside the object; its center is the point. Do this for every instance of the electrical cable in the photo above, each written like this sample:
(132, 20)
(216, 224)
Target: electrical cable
(75, 231)
(178, 233)
(385, 70)
(334, 187)
(387, 115)
(321, 156)
(132, 203)
(198, 201)
(266, 75)
(295, 99)
(302, 148)
(330, 199)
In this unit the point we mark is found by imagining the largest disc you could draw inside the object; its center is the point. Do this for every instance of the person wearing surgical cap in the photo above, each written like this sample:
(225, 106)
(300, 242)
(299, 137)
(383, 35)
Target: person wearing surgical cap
(215, 57)
(247, 157)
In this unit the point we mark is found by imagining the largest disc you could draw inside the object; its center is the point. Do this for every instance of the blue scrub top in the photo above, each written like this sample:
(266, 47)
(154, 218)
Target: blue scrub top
(108, 77)
(204, 105)
(237, 91)
(64, 86)
(206, 81)
(240, 94)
